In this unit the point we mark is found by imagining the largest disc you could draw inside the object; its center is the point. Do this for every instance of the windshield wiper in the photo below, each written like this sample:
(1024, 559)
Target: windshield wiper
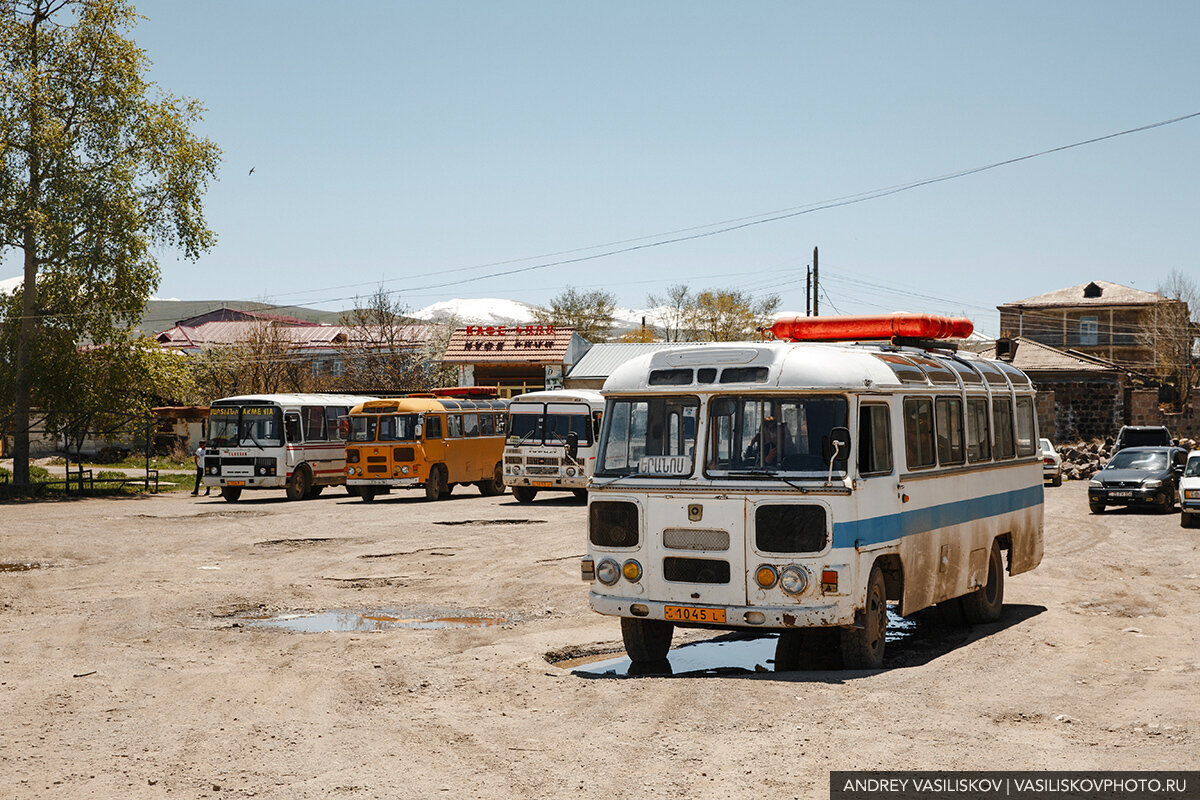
(762, 473)
(632, 475)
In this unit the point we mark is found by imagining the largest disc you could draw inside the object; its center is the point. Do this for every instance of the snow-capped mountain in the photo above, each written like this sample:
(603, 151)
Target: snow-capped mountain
(479, 311)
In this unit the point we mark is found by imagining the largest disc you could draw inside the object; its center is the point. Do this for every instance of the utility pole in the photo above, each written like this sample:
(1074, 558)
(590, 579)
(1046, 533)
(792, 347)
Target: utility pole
(816, 294)
(808, 292)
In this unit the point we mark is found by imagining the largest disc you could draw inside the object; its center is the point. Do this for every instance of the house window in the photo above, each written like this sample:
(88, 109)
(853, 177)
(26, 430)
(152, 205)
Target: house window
(1089, 330)
(339, 367)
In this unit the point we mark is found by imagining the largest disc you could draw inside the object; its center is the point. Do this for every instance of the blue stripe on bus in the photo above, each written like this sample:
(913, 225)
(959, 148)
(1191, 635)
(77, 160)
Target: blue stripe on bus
(865, 532)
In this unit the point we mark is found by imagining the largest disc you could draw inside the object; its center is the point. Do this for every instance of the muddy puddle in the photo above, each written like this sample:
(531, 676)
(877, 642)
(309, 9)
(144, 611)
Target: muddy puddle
(728, 654)
(18, 567)
(345, 620)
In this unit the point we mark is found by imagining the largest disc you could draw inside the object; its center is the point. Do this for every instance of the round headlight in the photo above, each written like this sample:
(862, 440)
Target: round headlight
(212, 470)
(352, 471)
(793, 579)
(570, 472)
(632, 571)
(262, 470)
(516, 470)
(766, 576)
(404, 470)
(607, 572)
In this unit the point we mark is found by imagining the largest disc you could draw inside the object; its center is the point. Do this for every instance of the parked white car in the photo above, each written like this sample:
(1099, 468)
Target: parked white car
(1189, 492)
(1051, 463)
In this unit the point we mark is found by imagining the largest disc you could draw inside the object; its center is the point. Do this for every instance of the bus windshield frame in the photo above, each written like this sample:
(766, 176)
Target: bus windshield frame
(758, 435)
(649, 436)
(258, 426)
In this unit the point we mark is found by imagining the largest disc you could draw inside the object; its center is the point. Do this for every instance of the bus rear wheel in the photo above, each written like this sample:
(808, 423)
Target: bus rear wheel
(646, 639)
(495, 485)
(231, 493)
(524, 494)
(986, 603)
(299, 484)
(435, 484)
(862, 645)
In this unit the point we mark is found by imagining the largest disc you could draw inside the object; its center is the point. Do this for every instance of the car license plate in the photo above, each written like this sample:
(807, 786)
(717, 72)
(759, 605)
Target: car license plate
(692, 614)
(543, 483)
(235, 483)
(1120, 494)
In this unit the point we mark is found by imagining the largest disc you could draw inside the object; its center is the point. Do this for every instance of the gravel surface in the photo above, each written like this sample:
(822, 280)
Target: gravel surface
(131, 664)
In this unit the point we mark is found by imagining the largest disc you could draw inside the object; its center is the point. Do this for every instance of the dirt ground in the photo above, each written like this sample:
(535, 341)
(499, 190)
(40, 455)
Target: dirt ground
(130, 667)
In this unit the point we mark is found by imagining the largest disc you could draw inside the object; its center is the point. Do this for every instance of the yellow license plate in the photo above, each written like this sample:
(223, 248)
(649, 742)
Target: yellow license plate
(235, 483)
(543, 483)
(691, 614)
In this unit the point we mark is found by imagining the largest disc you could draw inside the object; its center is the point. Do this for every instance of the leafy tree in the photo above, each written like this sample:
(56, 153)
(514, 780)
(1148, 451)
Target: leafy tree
(589, 312)
(729, 315)
(98, 167)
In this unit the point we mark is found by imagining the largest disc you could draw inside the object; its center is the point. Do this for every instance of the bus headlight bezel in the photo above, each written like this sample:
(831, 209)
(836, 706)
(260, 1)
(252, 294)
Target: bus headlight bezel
(608, 572)
(632, 570)
(793, 579)
(766, 576)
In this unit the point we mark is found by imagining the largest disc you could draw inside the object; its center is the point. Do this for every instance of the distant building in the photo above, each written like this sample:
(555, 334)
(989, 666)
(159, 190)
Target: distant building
(1119, 323)
(514, 358)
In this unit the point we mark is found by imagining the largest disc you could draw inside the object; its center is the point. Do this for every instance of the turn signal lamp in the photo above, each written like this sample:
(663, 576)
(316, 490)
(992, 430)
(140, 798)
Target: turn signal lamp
(766, 576)
(632, 571)
(829, 580)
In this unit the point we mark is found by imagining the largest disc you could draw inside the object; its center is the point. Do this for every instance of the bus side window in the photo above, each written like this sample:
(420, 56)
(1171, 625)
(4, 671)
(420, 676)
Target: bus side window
(1026, 440)
(470, 424)
(433, 427)
(874, 440)
(597, 419)
(979, 446)
(453, 425)
(918, 432)
(949, 430)
(314, 423)
(487, 425)
(1002, 414)
(333, 417)
(291, 426)
(501, 423)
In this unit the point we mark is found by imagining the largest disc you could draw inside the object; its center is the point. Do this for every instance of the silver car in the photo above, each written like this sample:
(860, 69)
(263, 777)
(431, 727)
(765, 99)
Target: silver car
(1051, 463)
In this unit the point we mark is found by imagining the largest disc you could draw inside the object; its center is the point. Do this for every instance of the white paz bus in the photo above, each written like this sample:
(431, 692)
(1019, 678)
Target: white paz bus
(551, 443)
(296, 442)
(800, 486)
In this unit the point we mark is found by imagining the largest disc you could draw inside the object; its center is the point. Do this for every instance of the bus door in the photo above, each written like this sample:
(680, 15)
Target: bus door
(435, 443)
(295, 438)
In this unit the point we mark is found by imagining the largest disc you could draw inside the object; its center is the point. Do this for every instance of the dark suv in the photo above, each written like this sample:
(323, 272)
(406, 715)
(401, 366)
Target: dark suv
(1142, 436)
(1138, 476)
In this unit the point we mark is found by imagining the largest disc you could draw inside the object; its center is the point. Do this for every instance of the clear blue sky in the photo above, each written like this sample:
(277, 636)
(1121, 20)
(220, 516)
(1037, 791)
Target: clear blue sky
(398, 141)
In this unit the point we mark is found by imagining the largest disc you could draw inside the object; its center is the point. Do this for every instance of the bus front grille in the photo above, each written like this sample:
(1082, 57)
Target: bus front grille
(546, 460)
(377, 468)
(692, 539)
(695, 570)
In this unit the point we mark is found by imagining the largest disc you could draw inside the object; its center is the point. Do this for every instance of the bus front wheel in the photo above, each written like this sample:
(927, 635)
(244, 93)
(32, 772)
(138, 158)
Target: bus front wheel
(231, 493)
(646, 639)
(862, 645)
(435, 485)
(580, 495)
(986, 603)
(524, 494)
(299, 484)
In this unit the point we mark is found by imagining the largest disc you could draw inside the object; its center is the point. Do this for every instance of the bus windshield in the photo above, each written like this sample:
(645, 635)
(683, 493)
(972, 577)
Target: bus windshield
(551, 428)
(362, 429)
(245, 426)
(653, 436)
(400, 428)
(774, 434)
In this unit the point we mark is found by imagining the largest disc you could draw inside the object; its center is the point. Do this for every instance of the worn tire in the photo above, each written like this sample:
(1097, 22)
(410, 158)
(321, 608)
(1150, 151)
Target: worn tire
(808, 649)
(314, 492)
(231, 493)
(1057, 480)
(1187, 520)
(353, 491)
(299, 484)
(435, 484)
(525, 494)
(646, 639)
(495, 486)
(367, 493)
(986, 603)
(580, 495)
(863, 645)
(1096, 508)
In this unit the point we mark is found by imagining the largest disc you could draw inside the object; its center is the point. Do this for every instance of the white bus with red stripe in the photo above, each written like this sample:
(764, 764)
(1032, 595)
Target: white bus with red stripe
(296, 442)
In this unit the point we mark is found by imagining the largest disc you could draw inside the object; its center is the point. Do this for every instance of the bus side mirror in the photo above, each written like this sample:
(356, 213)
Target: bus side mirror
(572, 444)
(839, 440)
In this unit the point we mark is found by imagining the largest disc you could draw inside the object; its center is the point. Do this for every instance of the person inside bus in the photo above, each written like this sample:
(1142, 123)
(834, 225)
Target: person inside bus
(767, 440)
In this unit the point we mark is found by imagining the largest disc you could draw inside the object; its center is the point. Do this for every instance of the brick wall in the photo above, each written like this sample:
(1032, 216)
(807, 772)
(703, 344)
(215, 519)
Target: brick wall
(1143, 410)
(1082, 408)
(1045, 413)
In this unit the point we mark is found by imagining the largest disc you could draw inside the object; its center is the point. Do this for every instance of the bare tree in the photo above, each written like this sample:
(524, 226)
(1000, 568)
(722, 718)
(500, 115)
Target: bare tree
(385, 349)
(1176, 333)
(671, 312)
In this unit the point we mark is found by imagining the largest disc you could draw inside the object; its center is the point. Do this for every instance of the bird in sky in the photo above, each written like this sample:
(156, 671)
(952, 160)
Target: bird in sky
(251, 172)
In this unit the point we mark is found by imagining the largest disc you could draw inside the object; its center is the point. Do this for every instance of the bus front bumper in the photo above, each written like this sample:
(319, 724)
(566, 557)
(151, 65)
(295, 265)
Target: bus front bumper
(547, 481)
(741, 617)
(400, 482)
(256, 482)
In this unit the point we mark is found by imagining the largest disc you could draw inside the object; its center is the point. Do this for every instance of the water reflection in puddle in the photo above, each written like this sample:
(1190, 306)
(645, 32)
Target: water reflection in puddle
(729, 654)
(339, 620)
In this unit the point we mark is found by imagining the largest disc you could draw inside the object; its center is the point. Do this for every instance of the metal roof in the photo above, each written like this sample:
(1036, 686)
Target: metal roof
(602, 359)
(1102, 293)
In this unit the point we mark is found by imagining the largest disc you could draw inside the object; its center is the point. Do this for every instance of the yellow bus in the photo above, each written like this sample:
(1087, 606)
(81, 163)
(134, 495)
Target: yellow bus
(435, 440)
